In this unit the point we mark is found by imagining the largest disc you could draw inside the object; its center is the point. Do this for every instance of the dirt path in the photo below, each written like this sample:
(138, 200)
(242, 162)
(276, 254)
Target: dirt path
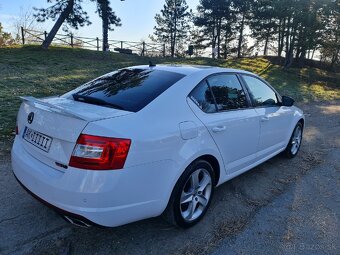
(282, 206)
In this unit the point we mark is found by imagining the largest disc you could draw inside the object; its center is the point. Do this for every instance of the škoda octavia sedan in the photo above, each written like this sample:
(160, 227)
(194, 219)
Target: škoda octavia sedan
(149, 140)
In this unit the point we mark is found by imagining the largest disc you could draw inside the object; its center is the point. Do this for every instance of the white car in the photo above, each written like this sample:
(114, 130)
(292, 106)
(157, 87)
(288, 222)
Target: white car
(150, 140)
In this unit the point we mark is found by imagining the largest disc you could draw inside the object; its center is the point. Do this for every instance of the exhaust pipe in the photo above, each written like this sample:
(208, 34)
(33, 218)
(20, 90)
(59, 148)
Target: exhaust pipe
(76, 222)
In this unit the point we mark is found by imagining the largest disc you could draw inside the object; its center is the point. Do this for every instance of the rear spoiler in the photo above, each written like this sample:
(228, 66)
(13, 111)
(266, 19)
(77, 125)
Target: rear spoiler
(38, 103)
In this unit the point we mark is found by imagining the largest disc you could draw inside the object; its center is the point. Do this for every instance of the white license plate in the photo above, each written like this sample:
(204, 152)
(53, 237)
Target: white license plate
(38, 139)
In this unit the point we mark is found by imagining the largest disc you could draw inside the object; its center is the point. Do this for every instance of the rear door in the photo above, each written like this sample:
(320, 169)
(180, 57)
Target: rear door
(234, 126)
(274, 119)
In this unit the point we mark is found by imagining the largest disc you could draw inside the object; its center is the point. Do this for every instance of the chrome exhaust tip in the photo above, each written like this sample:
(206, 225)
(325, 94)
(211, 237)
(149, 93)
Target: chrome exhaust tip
(76, 222)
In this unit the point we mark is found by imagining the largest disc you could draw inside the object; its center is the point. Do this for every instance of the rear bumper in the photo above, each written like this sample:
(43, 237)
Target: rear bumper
(58, 210)
(106, 198)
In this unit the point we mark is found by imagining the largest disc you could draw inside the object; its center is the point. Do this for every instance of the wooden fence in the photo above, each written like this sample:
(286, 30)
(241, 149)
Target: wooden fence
(139, 48)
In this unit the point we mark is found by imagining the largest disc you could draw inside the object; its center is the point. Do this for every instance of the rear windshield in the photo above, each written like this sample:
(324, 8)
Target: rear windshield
(126, 89)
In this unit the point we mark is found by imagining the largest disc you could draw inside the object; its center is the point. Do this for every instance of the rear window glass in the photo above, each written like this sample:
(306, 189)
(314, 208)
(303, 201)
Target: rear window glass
(203, 97)
(126, 89)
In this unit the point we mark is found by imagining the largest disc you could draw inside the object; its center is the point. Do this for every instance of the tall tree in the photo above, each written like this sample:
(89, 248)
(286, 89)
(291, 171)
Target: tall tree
(197, 40)
(242, 9)
(61, 11)
(213, 18)
(172, 24)
(330, 41)
(109, 20)
(262, 23)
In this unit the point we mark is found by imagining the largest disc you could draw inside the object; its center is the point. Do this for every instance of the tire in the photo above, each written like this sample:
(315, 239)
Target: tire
(191, 195)
(295, 141)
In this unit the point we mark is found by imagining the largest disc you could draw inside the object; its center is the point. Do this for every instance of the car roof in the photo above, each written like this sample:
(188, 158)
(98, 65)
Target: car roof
(190, 69)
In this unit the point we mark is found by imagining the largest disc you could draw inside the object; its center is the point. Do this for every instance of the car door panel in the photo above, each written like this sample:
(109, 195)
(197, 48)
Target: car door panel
(274, 122)
(239, 139)
(235, 131)
(274, 118)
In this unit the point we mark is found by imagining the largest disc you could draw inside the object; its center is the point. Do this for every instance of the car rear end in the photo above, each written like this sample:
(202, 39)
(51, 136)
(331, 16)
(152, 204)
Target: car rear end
(84, 176)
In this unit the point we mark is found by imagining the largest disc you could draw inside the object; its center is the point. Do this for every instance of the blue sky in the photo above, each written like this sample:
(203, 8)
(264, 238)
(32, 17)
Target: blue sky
(137, 17)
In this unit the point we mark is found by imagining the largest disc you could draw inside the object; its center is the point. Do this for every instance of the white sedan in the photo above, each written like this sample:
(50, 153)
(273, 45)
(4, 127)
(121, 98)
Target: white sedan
(150, 140)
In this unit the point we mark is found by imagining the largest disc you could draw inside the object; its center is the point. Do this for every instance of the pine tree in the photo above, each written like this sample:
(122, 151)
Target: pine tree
(330, 41)
(242, 9)
(214, 17)
(262, 22)
(172, 24)
(63, 10)
(109, 19)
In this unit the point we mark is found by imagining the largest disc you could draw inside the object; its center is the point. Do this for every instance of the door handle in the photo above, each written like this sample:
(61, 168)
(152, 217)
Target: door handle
(218, 129)
(265, 118)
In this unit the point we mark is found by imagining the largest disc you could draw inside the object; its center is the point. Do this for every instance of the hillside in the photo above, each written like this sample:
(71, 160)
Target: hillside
(32, 71)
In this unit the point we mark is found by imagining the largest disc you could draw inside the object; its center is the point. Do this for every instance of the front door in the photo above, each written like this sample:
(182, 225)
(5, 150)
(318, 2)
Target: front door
(273, 117)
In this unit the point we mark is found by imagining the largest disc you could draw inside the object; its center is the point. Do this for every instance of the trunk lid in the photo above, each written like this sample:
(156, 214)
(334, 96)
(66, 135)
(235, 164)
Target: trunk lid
(50, 127)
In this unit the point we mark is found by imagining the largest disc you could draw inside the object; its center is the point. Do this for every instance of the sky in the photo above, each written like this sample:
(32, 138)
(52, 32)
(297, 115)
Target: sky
(137, 17)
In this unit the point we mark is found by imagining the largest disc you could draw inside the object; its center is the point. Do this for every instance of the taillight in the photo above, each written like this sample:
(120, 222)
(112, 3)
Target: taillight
(16, 130)
(100, 153)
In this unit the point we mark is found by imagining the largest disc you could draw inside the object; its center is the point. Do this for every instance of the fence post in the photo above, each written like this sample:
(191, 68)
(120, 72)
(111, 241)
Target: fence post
(164, 50)
(143, 50)
(121, 44)
(45, 35)
(22, 35)
(72, 40)
(97, 39)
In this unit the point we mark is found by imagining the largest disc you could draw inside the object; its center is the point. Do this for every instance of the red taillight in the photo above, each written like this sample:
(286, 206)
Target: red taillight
(16, 130)
(100, 153)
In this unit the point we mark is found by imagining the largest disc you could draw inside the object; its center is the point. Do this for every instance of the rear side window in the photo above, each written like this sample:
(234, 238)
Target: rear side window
(228, 92)
(126, 89)
(261, 93)
(202, 96)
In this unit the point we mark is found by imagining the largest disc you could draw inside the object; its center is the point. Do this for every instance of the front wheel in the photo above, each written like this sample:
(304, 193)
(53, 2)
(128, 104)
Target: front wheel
(295, 141)
(192, 195)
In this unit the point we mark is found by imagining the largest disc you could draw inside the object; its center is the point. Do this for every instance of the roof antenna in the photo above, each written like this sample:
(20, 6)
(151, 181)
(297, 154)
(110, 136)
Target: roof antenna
(151, 64)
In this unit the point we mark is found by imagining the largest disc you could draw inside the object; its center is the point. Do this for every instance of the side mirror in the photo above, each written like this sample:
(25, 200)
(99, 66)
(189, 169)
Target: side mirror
(287, 101)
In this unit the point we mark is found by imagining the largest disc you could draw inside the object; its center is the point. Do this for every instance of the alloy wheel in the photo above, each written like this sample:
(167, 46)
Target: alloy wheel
(195, 195)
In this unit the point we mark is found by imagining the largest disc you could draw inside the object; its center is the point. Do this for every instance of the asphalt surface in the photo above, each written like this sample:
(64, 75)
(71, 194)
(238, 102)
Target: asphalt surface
(280, 207)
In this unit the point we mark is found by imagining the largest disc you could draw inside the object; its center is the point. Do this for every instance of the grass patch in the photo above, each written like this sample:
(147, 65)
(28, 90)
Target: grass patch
(30, 70)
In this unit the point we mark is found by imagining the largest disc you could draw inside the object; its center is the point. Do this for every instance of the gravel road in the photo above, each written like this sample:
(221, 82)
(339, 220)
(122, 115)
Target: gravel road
(282, 206)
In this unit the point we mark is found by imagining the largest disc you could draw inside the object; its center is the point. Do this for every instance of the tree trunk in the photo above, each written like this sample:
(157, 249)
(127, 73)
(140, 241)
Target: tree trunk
(105, 25)
(225, 51)
(313, 52)
(298, 52)
(214, 37)
(279, 39)
(335, 58)
(173, 46)
(290, 56)
(171, 42)
(219, 38)
(65, 13)
(287, 37)
(302, 58)
(240, 39)
(282, 37)
(265, 46)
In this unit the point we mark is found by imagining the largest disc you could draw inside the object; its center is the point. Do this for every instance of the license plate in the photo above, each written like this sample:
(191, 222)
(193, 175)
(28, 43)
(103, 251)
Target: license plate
(38, 139)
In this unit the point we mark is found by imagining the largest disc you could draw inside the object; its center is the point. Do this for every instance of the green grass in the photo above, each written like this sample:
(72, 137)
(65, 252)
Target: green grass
(32, 71)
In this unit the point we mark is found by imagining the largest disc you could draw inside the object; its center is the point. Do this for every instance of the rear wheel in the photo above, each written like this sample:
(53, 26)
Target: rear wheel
(295, 141)
(192, 195)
